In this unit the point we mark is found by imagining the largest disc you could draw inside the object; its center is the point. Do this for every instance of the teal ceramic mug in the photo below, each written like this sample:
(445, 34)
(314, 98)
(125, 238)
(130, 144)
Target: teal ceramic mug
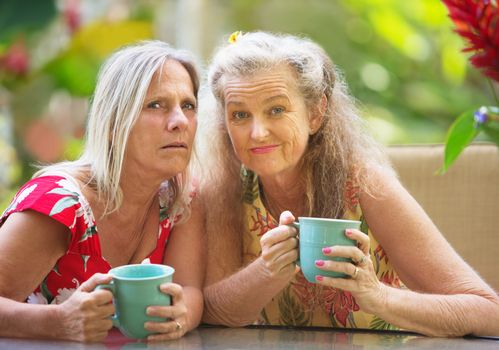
(317, 233)
(134, 288)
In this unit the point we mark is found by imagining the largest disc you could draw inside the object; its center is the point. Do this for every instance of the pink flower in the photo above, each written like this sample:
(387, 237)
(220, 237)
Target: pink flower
(72, 15)
(15, 60)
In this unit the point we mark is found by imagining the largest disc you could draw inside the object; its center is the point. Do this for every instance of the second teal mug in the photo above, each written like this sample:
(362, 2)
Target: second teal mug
(317, 233)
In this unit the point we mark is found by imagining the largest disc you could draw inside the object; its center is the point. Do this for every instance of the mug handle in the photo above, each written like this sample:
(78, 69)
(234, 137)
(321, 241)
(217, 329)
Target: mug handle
(110, 287)
(296, 225)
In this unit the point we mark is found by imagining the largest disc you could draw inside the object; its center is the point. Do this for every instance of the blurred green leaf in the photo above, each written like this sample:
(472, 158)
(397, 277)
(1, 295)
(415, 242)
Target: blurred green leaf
(76, 69)
(74, 72)
(23, 16)
(461, 133)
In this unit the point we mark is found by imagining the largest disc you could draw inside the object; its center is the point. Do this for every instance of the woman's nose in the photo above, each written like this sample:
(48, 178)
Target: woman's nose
(177, 120)
(259, 129)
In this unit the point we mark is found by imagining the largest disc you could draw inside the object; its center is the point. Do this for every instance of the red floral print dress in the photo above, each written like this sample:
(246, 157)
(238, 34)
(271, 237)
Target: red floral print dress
(303, 303)
(60, 198)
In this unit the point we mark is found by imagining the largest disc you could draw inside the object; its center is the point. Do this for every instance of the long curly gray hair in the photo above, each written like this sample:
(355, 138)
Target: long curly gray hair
(340, 150)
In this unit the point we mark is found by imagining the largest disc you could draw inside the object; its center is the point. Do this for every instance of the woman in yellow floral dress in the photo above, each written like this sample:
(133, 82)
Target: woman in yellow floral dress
(285, 140)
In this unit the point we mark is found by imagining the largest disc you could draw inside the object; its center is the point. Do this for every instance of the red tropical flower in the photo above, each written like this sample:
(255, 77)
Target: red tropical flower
(339, 303)
(380, 254)
(476, 21)
(390, 278)
(262, 223)
(306, 292)
(335, 302)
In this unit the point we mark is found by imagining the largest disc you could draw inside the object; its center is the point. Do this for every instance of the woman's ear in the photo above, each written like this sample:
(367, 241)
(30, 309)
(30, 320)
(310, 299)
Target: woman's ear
(317, 115)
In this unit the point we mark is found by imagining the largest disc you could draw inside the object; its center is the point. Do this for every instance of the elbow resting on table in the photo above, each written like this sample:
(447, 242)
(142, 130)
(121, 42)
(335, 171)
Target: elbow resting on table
(217, 315)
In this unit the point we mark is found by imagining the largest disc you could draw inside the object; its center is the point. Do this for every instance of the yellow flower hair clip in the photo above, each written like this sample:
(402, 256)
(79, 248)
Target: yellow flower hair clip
(235, 36)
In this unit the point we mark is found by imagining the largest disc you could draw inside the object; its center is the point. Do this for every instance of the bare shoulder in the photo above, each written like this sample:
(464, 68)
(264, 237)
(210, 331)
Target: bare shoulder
(384, 191)
(34, 227)
(194, 225)
(392, 214)
(34, 235)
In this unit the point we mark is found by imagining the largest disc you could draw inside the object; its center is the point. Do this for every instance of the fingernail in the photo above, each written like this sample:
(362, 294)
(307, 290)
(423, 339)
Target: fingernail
(326, 250)
(348, 232)
(319, 278)
(319, 262)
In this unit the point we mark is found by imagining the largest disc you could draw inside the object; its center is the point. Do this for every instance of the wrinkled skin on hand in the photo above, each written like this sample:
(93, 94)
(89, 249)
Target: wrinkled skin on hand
(363, 284)
(280, 249)
(85, 315)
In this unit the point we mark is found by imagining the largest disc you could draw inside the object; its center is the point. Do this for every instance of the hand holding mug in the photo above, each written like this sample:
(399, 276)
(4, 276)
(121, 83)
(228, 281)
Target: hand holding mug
(317, 234)
(137, 287)
(363, 282)
(85, 315)
(175, 315)
(280, 248)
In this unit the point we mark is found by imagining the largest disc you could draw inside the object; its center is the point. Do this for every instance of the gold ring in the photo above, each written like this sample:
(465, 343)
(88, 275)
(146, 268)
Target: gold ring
(179, 326)
(356, 272)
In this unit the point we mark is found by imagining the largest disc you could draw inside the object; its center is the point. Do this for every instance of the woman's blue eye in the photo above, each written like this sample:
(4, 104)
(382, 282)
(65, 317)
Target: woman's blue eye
(154, 105)
(239, 115)
(276, 110)
(189, 106)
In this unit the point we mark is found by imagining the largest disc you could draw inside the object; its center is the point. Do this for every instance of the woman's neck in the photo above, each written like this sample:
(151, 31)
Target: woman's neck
(283, 193)
(139, 192)
(139, 196)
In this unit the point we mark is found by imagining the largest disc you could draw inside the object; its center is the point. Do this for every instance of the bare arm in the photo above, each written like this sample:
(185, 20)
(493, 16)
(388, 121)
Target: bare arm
(237, 298)
(447, 299)
(186, 253)
(426, 263)
(30, 245)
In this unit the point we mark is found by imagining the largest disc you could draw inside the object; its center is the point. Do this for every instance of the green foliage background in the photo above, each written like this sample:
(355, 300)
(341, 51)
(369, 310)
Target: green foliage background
(401, 59)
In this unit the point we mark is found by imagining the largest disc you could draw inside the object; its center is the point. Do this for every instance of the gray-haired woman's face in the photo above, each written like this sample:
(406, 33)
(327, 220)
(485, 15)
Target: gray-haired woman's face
(161, 140)
(268, 121)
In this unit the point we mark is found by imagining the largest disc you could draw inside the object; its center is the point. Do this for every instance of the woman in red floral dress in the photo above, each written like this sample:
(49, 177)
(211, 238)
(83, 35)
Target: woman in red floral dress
(286, 141)
(124, 201)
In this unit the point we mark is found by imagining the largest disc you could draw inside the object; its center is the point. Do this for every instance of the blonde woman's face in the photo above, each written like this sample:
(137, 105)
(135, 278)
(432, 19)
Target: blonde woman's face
(267, 121)
(162, 138)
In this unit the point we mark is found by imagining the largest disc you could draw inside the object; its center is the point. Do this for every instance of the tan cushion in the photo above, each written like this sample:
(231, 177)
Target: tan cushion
(463, 203)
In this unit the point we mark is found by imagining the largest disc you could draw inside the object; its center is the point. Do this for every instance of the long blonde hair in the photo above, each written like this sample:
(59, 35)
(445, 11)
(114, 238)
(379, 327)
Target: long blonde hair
(340, 150)
(121, 87)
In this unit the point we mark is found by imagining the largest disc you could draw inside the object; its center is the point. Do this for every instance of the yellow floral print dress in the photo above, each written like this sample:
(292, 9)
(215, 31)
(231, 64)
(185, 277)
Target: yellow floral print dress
(303, 303)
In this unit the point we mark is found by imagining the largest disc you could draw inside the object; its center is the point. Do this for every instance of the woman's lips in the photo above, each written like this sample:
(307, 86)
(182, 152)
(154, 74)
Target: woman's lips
(175, 145)
(263, 149)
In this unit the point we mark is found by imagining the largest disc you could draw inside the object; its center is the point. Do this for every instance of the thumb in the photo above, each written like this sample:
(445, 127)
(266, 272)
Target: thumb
(98, 278)
(286, 218)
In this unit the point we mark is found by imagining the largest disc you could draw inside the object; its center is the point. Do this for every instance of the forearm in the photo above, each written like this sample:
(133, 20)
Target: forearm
(439, 315)
(239, 299)
(194, 302)
(21, 320)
